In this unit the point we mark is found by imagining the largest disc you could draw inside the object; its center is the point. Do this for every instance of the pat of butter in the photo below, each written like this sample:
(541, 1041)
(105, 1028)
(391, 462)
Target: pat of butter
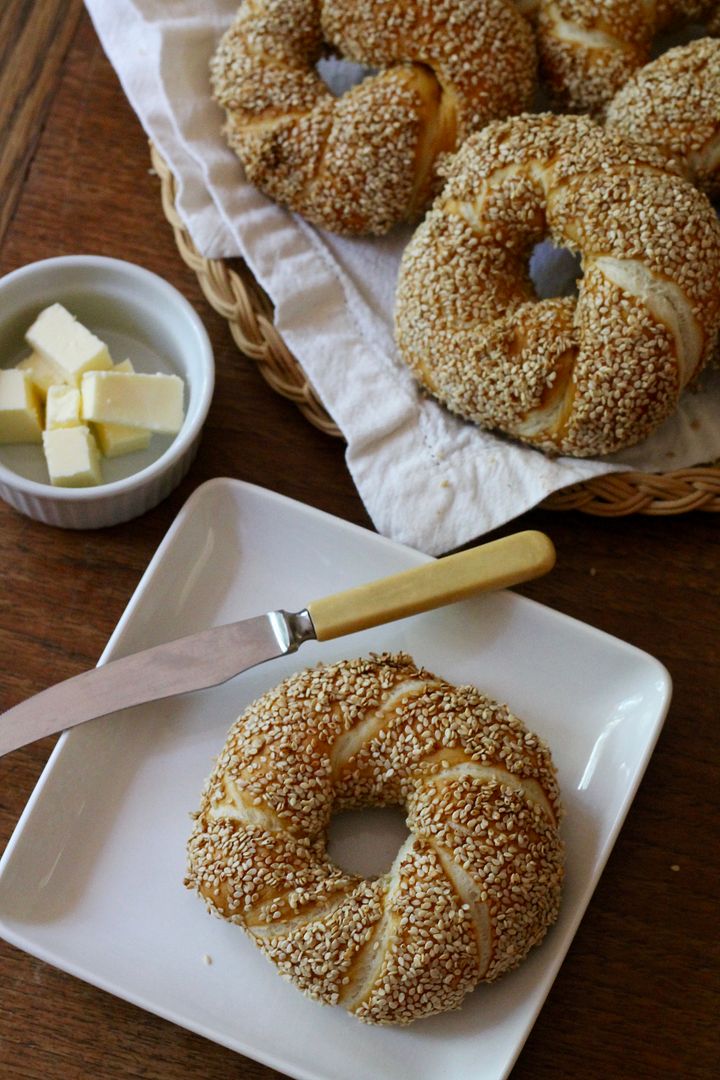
(154, 402)
(62, 407)
(65, 342)
(43, 373)
(20, 420)
(117, 439)
(72, 457)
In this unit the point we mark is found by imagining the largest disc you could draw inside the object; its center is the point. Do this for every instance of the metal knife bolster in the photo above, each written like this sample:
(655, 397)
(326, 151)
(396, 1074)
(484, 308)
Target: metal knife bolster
(292, 629)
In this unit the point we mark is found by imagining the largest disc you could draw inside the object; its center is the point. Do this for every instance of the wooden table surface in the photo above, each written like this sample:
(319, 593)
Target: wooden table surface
(637, 995)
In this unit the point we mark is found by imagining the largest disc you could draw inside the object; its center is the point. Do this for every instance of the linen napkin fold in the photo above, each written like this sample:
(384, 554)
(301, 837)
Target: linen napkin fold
(426, 478)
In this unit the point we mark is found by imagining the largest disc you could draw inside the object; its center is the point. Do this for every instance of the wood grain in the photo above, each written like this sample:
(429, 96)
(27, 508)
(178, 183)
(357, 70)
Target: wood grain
(637, 994)
(33, 42)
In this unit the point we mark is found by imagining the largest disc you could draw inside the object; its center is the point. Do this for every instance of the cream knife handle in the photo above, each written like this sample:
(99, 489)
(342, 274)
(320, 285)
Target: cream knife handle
(495, 565)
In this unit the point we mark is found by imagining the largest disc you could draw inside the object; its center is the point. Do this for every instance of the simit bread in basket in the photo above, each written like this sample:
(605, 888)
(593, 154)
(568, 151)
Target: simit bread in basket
(361, 162)
(590, 48)
(581, 376)
(673, 104)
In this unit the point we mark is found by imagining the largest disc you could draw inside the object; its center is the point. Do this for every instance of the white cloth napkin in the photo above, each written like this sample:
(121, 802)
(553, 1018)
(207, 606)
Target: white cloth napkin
(427, 479)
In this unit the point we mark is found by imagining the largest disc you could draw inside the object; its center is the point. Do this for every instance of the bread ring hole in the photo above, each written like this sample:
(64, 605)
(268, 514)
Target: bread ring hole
(340, 75)
(554, 271)
(365, 842)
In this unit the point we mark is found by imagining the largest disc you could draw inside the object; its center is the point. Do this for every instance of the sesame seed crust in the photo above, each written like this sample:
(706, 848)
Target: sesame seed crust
(362, 162)
(588, 49)
(581, 377)
(673, 104)
(473, 889)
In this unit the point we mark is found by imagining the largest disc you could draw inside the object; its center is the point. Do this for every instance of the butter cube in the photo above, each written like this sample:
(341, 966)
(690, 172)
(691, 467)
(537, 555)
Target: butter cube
(154, 402)
(20, 419)
(117, 439)
(62, 407)
(43, 373)
(72, 457)
(65, 342)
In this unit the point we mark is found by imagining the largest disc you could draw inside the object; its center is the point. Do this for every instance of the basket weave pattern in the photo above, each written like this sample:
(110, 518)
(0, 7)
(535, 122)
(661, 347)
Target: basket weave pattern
(231, 290)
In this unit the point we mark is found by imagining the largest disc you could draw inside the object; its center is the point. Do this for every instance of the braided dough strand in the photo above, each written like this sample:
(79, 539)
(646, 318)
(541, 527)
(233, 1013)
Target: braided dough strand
(474, 887)
(363, 161)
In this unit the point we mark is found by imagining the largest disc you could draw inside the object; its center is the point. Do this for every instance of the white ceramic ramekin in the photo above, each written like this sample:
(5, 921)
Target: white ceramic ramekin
(140, 316)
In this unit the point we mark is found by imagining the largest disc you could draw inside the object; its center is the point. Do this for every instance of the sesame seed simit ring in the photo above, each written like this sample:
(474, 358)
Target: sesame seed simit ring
(475, 886)
(585, 375)
(589, 48)
(673, 104)
(361, 162)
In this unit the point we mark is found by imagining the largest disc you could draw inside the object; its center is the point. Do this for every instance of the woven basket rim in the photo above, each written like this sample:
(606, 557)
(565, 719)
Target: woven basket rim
(232, 291)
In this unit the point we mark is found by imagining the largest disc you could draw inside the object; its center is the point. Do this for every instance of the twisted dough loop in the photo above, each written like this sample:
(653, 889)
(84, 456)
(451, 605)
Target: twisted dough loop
(581, 377)
(588, 49)
(366, 160)
(674, 104)
(475, 886)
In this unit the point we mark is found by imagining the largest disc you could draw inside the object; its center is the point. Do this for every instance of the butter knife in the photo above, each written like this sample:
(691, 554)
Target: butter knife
(217, 654)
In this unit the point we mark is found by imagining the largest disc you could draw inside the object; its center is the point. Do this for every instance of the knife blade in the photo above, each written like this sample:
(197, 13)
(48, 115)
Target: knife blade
(213, 656)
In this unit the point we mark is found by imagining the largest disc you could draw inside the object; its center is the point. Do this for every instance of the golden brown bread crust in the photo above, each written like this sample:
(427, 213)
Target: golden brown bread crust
(366, 160)
(581, 377)
(673, 104)
(589, 48)
(475, 886)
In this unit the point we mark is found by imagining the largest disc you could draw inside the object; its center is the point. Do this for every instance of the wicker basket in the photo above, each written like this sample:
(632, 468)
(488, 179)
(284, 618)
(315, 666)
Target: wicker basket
(232, 291)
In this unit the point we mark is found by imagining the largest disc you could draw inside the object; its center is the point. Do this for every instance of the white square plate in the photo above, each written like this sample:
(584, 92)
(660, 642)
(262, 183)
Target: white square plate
(91, 880)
